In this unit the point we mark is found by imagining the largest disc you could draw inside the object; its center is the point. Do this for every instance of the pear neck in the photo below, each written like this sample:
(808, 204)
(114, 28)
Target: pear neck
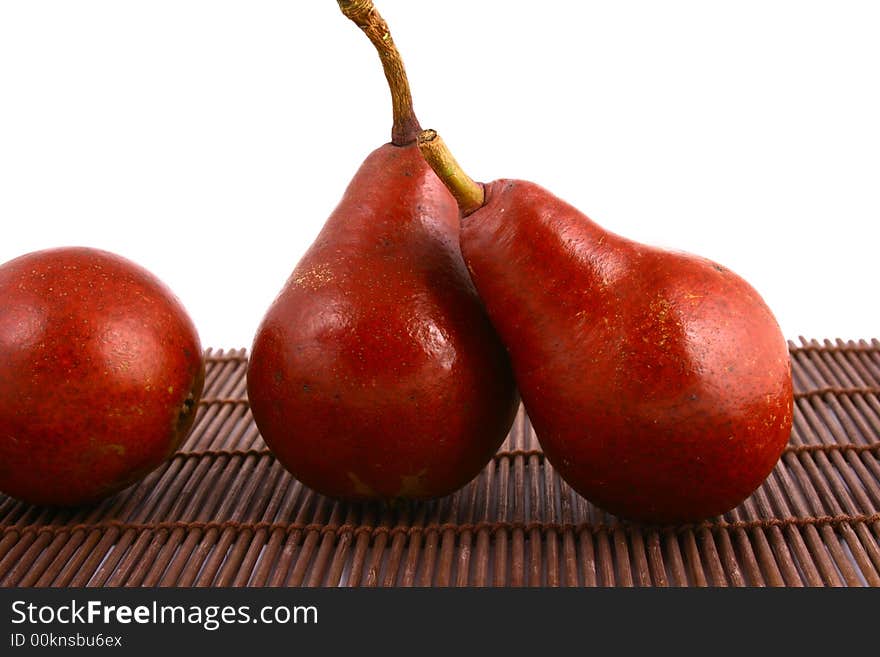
(405, 129)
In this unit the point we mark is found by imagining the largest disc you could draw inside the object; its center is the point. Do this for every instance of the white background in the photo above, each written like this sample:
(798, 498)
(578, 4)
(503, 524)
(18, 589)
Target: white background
(208, 140)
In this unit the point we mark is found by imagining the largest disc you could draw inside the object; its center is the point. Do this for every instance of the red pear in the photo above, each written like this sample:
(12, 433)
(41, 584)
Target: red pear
(658, 382)
(100, 373)
(376, 373)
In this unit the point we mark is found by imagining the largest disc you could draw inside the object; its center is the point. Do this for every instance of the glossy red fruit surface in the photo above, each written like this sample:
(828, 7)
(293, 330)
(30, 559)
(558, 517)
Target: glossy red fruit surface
(100, 373)
(376, 373)
(658, 382)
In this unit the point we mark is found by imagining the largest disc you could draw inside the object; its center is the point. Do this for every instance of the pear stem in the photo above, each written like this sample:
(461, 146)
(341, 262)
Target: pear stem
(362, 13)
(470, 195)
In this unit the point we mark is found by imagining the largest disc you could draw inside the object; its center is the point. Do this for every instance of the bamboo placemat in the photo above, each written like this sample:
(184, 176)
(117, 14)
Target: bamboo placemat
(223, 512)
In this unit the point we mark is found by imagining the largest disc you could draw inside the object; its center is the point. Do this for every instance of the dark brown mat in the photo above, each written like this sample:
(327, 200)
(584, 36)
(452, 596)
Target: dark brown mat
(223, 512)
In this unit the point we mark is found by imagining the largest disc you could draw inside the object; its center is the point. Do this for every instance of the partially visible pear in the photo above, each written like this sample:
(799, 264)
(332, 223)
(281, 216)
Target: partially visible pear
(101, 371)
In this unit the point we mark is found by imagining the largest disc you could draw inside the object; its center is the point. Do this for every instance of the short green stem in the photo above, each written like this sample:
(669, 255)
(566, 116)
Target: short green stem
(470, 195)
(362, 13)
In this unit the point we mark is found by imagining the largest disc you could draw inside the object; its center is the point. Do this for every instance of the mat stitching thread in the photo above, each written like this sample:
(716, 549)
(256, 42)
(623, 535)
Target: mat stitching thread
(492, 527)
(851, 349)
(810, 449)
(821, 392)
(242, 401)
(216, 453)
(793, 350)
(528, 453)
(222, 401)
